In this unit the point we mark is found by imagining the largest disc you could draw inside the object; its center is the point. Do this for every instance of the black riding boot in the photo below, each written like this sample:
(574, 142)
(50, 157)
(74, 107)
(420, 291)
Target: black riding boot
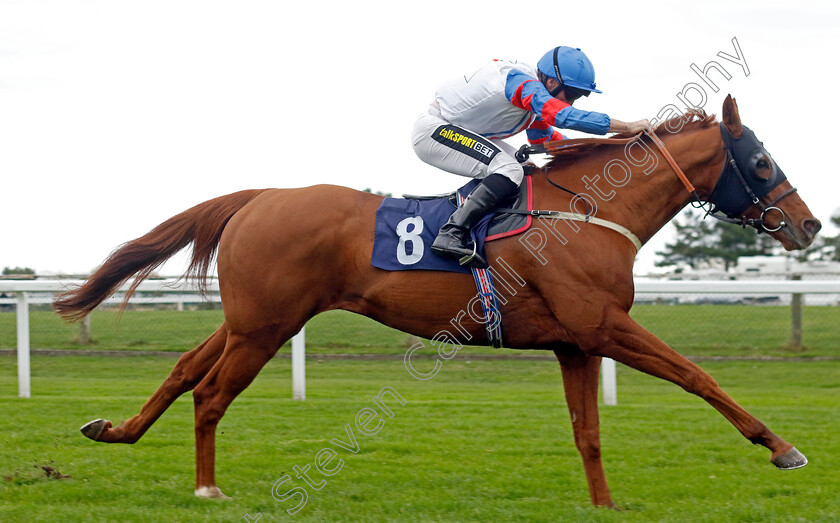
(454, 236)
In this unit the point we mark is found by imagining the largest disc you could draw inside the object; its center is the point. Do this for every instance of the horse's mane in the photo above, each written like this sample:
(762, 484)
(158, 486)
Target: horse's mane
(691, 120)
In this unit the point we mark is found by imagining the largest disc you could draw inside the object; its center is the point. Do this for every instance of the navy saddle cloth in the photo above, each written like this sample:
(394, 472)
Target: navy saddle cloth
(406, 228)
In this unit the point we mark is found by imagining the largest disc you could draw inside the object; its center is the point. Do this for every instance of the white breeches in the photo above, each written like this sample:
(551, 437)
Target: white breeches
(461, 151)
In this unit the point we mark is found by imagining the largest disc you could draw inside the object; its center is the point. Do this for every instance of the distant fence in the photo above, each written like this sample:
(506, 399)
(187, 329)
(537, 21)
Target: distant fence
(787, 293)
(149, 292)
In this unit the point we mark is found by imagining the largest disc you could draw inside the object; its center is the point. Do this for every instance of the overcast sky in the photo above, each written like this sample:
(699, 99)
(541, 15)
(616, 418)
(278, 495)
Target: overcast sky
(116, 115)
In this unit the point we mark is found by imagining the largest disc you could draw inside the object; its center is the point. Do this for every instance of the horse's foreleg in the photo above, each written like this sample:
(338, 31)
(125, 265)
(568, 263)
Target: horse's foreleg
(622, 339)
(243, 358)
(190, 369)
(580, 381)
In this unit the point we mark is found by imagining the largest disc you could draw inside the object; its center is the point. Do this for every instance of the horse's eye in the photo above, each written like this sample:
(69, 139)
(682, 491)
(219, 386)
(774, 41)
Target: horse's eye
(762, 166)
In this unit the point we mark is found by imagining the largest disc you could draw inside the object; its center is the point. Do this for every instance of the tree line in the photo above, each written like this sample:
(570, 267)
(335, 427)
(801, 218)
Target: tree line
(702, 243)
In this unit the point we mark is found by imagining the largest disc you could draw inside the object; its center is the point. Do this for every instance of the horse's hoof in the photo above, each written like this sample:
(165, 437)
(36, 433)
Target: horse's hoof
(93, 429)
(792, 459)
(210, 492)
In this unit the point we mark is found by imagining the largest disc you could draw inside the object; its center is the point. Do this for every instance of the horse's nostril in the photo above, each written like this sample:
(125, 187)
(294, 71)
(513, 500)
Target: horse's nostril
(812, 226)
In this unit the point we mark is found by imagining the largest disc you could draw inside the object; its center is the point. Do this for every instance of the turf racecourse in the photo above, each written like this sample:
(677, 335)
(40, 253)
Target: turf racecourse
(697, 330)
(481, 441)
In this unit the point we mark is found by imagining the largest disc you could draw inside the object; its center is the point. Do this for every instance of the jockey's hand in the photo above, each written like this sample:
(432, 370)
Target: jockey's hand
(617, 126)
(640, 125)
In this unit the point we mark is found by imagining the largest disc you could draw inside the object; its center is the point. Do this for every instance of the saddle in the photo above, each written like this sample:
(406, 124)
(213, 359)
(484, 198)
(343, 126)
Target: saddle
(510, 218)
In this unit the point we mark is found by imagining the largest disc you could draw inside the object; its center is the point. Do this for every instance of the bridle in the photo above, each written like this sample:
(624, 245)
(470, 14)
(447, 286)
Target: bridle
(726, 204)
(733, 193)
(727, 201)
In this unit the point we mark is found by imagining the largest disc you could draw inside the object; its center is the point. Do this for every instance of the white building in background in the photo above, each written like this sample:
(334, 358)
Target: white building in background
(749, 267)
(783, 265)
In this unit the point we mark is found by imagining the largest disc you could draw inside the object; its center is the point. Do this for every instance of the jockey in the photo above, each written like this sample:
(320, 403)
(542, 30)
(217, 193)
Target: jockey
(463, 129)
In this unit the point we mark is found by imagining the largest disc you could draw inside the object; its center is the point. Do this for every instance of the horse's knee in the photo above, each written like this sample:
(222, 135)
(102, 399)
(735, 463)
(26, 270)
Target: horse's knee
(175, 384)
(595, 343)
(588, 443)
(187, 372)
(701, 384)
(208, 409)
(179, 381)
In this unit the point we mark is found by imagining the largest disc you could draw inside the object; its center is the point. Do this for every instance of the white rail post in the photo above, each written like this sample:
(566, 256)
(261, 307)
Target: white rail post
(608, 379)
(299, 365)
(22, 312)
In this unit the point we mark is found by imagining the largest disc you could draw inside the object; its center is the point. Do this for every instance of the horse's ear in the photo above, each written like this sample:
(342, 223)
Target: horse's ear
(731, 118)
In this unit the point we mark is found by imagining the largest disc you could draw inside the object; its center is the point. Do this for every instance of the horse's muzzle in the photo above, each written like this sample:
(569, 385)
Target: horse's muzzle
(795, 238)
(811, 226)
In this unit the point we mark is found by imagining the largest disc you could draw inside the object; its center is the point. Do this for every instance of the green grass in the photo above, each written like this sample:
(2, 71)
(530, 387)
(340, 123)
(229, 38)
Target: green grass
(697, 330)
(741, 330)
(482, 441)
(169, 330)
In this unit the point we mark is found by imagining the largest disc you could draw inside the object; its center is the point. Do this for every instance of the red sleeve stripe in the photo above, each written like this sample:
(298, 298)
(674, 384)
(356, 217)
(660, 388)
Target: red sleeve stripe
(551, 108)
(540, 124)
(518, 101)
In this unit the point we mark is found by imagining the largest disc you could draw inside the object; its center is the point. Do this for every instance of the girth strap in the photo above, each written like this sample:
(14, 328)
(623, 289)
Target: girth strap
(575, 217)
(624, 231)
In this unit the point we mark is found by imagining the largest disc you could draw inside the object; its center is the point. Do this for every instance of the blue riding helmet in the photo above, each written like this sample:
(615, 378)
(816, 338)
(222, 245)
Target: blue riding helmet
(570, 66)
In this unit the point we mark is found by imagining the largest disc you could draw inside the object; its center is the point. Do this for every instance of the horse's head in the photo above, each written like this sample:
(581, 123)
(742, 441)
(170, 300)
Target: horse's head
(752, 189)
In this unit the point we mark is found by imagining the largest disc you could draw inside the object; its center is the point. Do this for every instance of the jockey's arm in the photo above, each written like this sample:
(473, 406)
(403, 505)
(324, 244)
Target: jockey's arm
(528, 93)
(540, 132)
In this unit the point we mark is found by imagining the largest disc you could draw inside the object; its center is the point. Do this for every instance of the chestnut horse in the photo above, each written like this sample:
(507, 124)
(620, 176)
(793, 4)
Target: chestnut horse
(284, 256)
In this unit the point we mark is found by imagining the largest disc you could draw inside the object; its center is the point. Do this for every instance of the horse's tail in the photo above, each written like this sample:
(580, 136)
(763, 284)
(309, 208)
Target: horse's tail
(201, 225)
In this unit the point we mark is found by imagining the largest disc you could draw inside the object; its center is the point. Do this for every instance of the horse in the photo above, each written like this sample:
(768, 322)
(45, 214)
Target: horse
(285, 255)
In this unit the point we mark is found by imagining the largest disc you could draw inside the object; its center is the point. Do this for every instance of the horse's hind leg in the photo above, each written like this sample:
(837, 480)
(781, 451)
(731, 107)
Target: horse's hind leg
(191, 368)
(623, 340)
(580, 381)
(243, 358)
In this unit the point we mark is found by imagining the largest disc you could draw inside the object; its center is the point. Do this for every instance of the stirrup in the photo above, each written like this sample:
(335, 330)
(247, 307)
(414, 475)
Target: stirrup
(468, 258)
(474, 260)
